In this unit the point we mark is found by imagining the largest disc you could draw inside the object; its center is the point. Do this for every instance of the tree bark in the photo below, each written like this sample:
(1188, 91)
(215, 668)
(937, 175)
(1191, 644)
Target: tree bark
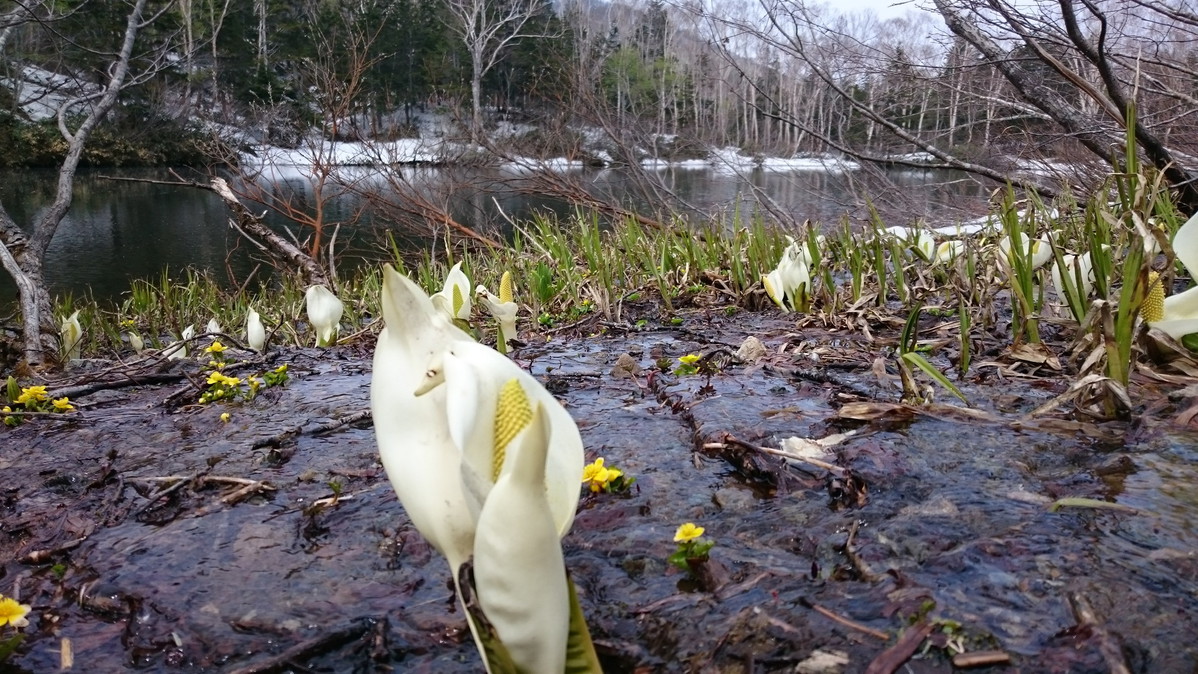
(23, 257)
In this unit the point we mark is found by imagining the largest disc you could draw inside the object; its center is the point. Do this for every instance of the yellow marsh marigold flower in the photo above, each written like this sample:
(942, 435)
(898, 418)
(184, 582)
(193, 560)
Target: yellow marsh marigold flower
(689, 359)
(63, 405)
(216, 347)
(33, 394)
(598, 475)
(13, 612)
(223, 379)
(591, 470)
(688, 532)
(225, 416)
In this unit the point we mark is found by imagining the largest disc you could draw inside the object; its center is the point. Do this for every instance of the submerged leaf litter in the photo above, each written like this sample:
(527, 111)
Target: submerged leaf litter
(279, 546)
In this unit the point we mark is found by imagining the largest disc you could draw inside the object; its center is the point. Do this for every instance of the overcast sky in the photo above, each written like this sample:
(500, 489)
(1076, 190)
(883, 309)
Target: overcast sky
(883, 8)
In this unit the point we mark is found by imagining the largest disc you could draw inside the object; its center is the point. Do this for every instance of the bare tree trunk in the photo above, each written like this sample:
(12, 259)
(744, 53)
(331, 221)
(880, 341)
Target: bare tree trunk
(24, 258)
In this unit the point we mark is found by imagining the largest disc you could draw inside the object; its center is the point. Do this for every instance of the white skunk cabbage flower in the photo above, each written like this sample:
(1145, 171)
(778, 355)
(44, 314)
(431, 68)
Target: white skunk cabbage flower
(917, 240)
(1176, 315)
(1041, 250)
(502, 308)
(1076, 266)
(454, 298)
(178, 350)
(490, 472)
(255, 332)
(521, 458)
(136, 342)
(790, 278)
(420, 458)
(948, 251)
(213, 327)
(324, 313)
(72, 336)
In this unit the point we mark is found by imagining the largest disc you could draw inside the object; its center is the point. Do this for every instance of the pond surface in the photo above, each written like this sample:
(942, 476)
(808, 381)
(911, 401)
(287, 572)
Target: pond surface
(118, 231)
(951, 516)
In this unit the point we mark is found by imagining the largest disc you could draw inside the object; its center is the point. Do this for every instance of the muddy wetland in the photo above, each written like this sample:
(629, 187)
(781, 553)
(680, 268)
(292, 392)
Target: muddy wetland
(148, 534)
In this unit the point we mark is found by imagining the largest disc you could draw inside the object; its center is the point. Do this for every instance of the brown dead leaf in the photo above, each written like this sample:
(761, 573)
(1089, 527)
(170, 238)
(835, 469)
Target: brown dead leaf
(1036, 354)
(872, 411)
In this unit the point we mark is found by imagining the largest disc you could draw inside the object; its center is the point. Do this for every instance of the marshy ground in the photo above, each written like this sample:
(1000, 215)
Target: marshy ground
(148, 534)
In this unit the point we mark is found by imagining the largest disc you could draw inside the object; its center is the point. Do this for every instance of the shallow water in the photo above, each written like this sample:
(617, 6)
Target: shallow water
(955, 526)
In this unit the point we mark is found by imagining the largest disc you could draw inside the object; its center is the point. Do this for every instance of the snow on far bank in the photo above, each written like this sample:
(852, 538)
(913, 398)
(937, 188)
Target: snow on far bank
(40, 93)
(329, 153)
(732, 160)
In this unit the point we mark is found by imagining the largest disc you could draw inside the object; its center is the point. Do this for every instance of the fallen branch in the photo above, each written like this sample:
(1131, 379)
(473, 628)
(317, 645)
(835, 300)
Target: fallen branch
(1108, 646)
(859, 564)
(306, 649)
(852, 624)
(729, 440)
(892, 658)
(278, 439)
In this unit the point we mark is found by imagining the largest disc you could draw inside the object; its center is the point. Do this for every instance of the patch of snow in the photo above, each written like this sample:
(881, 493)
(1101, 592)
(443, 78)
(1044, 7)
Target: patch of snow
(402, 151)
(916, 157)
(809, 163)
(40, 93)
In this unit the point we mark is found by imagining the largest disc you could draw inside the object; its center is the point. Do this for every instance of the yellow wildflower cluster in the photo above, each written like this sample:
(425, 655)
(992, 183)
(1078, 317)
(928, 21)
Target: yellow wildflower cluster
(28, 399)
(225, 387)
(600, 477)
(32, 394)
(222, 379)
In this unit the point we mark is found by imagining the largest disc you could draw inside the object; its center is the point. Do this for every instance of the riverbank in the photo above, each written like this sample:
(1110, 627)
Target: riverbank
(149, 534)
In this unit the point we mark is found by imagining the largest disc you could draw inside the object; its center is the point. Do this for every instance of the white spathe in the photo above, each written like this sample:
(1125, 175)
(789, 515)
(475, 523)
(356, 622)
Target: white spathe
(790, 278)
(1076, 266)
(255, 332)
(1181, 309)
(213, 327)
(412, 431)
(178, 350)
(324, 313)
(522, 494)
(473, 374)
(503, 312)
(519, 572)
(72, 336)
(1041, 250)
(948, 251)
(136, 342)
(454, 298)
(435, 398)
(918, 240)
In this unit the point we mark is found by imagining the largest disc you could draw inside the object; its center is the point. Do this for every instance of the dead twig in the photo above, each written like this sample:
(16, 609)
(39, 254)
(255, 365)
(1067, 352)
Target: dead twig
(733, 441)
(306, 649)
(980, 659)
(859, 564)
(852, 624)
(278, 439)
(1108, 646)
(892, 658)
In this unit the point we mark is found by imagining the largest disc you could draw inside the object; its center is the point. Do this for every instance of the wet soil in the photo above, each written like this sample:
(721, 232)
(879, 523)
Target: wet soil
(931, 521)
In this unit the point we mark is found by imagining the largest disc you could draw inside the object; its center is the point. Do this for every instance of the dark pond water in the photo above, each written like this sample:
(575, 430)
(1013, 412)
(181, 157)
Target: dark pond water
(117, 231)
